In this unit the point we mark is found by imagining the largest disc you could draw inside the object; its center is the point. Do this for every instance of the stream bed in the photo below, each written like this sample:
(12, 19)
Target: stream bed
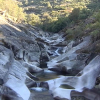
(24, 56)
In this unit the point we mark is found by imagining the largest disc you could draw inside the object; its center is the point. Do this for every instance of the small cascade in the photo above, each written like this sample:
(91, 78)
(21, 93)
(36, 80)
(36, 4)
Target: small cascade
(38, 84)
(41, 86)
(56, 52)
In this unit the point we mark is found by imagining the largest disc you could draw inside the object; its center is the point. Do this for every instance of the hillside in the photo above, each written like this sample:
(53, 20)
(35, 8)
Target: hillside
(12, 10)
(54, 15)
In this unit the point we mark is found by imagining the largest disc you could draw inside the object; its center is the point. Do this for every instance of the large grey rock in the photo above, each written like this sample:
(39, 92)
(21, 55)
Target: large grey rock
(86, 80)
(32, 67)
(6, 60)
(15, 80)
(87, 94)
(69, 59)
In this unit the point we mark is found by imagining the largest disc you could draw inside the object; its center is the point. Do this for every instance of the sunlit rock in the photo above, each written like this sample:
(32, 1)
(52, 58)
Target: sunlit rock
(15, 80)
(86, 80)
(69, 59)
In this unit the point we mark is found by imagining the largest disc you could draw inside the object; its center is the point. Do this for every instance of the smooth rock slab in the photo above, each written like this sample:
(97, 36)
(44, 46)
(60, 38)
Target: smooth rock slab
(86, 80)
(15, 80)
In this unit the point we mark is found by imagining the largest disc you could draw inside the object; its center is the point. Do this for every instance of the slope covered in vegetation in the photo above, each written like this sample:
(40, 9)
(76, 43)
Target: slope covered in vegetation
(54, 15)
(73, 17)
(11, 7)
(88, 26)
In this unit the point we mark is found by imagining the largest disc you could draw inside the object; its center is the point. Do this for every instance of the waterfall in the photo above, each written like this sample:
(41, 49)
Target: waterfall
(57, 53)
(38, 84)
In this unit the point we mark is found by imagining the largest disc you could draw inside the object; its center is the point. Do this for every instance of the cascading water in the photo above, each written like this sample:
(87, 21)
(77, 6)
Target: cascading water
(38, 84)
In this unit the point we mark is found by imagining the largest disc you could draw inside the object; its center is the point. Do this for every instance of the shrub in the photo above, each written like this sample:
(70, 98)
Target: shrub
(12, 8)
(84, 13)
(74, 16)
(95, 34)
(98, 16)
(33, 19)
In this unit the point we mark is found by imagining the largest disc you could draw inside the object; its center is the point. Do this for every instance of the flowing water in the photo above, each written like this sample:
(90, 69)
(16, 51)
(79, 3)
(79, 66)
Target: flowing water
(61, 85)
(46, 75)
(42, 93)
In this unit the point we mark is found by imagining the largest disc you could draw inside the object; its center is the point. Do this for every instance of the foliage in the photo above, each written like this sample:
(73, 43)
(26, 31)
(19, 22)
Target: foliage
(33, 19)
(12, 8)
(74, 16)
(75, 33)
(84, 13)
(55, 26)
(56, 10)
(95, 33)
(98, 16)
(60, 7)
(55, 15)
(58, 25)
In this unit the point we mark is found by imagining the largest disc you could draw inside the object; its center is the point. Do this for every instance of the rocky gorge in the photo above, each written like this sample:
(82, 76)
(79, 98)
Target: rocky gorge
(37, 65)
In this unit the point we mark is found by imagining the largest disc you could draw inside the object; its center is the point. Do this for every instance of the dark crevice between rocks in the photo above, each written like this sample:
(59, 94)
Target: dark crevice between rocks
(31, 84)
(32, 76)
(11, 47)
(44, 84)
(97, 80)
(1, 82)
(60, 71)
(78, 41)
(57, 98)
(9, 94)
(91, 56)
(87, 94)
(43, 61)
(4, 97)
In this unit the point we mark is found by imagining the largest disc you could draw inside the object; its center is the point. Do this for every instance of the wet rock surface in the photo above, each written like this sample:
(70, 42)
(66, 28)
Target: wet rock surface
(41, 96)
(36, 65)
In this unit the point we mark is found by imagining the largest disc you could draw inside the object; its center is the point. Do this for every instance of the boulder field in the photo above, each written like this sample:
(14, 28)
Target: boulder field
(37, 65)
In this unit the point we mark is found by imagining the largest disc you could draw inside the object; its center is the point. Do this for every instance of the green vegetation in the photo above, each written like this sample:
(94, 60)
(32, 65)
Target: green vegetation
(90, 26)
(12, 8)
(33, 19)
(95, 26)
(54, 15)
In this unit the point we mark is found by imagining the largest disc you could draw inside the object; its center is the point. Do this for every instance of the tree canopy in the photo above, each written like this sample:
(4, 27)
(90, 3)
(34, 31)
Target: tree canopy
(12, 9)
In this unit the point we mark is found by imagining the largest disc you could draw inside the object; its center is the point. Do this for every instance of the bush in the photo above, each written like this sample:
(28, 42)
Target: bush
(70, 34)
(60, 7)
(74, 16)
(84, 13)
(95, 34)
(33, 19)
(75, 33)
(55, 26)
(98, 17)
(13, 9)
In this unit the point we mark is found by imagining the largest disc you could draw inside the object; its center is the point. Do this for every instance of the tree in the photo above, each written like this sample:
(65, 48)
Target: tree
(12, 9)
(74, 16)
(33, 19)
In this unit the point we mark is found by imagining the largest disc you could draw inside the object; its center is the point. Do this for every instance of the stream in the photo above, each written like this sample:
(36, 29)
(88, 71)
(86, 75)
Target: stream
(41, 90)
(37, 65)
